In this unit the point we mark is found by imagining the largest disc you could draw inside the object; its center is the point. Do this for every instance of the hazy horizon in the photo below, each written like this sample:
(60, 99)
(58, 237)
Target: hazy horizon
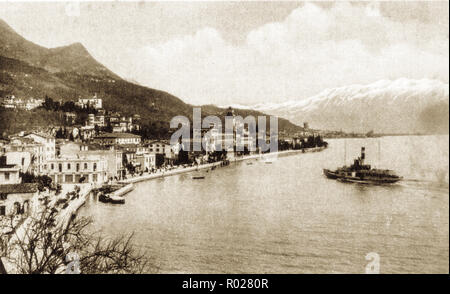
(247, 52)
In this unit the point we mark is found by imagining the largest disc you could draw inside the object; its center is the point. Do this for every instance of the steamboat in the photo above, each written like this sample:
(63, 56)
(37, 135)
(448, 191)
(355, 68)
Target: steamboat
(362, 173)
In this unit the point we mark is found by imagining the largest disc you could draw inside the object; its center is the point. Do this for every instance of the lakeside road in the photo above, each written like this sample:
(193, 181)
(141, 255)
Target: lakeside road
(210, 165)
(65, 215)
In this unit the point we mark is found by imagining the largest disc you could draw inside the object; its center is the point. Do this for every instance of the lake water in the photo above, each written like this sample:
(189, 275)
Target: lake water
(286, 217)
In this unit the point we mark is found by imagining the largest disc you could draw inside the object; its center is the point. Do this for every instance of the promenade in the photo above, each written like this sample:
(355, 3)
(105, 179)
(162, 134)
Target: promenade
(180, 170)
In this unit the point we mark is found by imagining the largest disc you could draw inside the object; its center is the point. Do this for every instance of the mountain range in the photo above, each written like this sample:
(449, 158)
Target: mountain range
(388, 106)
(69, 72)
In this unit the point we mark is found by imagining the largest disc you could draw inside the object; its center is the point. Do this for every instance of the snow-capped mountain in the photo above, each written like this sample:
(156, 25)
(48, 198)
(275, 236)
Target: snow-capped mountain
(399, 106)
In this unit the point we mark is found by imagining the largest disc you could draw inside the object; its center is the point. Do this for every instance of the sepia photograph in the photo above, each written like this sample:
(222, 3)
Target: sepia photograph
(225, 138)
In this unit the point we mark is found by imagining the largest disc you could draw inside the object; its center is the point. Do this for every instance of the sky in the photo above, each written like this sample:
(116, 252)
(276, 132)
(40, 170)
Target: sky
(247, 52)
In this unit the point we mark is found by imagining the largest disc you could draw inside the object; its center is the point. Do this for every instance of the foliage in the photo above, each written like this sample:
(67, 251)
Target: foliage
(13, 121)
(43, 181)
(44, 246)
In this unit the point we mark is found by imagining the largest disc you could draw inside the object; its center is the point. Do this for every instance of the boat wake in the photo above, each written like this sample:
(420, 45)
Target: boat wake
(425, 184)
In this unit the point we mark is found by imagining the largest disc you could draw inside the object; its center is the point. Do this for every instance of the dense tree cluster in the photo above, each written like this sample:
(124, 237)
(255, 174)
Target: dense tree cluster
(43, 181)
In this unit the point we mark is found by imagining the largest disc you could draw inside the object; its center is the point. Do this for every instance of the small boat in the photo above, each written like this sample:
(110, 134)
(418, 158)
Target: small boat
(198, 177)
(103, 198)
(110, 198)
(362, 173)
(249, 163)
(116, 196)
(116, 199)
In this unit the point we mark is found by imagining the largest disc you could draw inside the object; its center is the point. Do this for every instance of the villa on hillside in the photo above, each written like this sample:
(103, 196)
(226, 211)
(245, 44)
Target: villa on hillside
(93, 102)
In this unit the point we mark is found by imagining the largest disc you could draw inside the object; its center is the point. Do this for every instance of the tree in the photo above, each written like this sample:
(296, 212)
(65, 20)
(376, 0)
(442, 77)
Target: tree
(59, 134)
(47, 246)
(43, 181)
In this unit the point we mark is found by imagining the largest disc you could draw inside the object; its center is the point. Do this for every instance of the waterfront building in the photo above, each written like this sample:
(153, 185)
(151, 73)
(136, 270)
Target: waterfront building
(113, 158)
(15, 198)
(117, 139)
(76, 169)
(157, 147)
(171, 153)
(145, 162)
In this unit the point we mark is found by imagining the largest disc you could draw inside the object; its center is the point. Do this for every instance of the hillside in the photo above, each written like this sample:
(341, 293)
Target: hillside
(69, 72)
(400, 106)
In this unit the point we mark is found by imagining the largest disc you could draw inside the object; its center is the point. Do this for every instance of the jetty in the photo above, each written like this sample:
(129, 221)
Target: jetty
(116, 195)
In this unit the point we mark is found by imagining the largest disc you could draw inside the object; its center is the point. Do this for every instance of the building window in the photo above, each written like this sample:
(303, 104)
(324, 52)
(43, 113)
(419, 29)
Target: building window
(78, 166)
(68, 166)
(23, 161)
(3, 196)
(85, 165)
(60, 167)
(2, 210)
(7, 176)
(52, 166)
(95, 166)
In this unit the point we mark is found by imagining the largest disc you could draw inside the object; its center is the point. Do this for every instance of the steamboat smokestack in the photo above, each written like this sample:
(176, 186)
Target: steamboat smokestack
(363, 154)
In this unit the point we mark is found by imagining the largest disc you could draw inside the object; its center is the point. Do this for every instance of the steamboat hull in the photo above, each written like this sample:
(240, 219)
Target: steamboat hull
(360, 180)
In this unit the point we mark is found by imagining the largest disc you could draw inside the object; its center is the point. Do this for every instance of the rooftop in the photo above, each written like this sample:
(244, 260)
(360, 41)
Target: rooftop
(19, 188)
(117, 135)
(43, 135)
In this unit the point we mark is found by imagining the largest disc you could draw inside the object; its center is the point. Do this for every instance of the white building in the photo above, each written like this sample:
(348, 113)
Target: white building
(15, 198)
(94, 120)
(9, 174)
(117, 139)
(26, 104)
(71, 170)
(145, 161)
(36, 150)
(49, 144)
(93, 102)
(20, 158)
(157, 147)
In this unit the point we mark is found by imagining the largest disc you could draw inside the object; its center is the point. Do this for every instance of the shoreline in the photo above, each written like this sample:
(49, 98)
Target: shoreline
(218, 163)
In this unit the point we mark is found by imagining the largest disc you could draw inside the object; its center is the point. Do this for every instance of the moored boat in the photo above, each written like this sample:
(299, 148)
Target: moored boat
(116, 199)
(116, 196)
(110, 198)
